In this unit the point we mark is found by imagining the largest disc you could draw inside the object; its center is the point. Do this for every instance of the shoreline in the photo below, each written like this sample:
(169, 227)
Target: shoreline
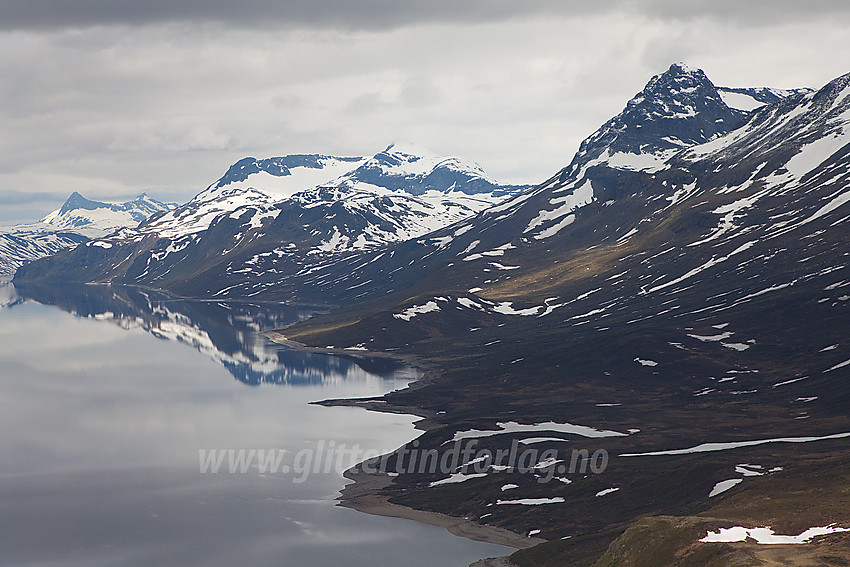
(365, 495)
(428, 373)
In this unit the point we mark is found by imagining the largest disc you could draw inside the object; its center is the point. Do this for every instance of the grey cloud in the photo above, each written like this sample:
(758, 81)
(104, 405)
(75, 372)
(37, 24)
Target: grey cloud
(753, 13)
(365, 103)
(13, 197)
(22, 206)
(363, 14)
(420, 93)
(387, 14)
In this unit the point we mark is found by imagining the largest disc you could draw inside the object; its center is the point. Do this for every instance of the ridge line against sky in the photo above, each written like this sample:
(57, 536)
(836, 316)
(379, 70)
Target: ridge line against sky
(113, 98)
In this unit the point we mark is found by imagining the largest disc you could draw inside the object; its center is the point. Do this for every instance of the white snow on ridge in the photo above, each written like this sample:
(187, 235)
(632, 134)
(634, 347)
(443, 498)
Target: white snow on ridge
(766, 536)
(712, 338)
(498, 251)
(709, 447)
(531, 501)
(300, 178)
(647, 162)
(834, 203)
(814, 154)
(555, 228)
(505, 309)
(417, 160)
(709, 264)
(730, 211)
(514, 427)
(456, 478)
(837, 366)
(723, 486)
(199, 213)
(579, 197)
(740, 101)
(412, 312)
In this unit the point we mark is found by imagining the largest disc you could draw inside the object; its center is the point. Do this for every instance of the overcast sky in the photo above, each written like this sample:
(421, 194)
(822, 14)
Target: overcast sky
(115, 97)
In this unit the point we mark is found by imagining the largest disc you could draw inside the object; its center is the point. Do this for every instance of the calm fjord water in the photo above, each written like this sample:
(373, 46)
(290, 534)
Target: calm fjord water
(107, 395)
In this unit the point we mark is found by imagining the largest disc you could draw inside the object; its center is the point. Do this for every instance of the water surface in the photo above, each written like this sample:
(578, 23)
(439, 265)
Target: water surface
(107, 395)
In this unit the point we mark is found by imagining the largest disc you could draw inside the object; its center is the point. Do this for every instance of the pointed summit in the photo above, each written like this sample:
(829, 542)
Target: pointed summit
(675, 109)
(683, 67)
(80, 213)
(76, 201)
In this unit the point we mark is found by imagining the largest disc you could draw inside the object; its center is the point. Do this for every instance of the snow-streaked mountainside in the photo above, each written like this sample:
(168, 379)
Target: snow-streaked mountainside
(613, 199)
(21, 245)
(410, 190)
(78, 220)
(258, 184)
(781, 173)
(256, 213)
(758, 211)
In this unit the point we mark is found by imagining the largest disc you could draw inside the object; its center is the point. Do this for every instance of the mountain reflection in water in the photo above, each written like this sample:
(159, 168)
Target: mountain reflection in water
(226, 331)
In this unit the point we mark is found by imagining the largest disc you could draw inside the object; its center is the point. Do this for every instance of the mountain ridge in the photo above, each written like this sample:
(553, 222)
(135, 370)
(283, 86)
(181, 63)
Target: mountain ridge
(392, 197)
(78, 220)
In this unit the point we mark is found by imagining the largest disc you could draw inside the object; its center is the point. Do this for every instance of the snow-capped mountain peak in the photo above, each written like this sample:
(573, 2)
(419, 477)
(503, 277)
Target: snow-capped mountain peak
(677, 108)
(414, 170)
(280, 177)
(96, 218)
(447, 188)
(76, 221)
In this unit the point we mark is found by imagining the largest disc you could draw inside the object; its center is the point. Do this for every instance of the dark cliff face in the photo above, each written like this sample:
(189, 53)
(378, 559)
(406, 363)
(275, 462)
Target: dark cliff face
(678, 108)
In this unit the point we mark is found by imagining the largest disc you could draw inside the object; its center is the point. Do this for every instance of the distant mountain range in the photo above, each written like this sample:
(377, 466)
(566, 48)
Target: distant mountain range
(284, 217)
(78, 220)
